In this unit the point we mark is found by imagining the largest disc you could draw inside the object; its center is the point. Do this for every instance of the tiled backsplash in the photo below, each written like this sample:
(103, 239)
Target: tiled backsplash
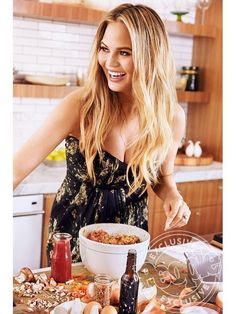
(46, 47)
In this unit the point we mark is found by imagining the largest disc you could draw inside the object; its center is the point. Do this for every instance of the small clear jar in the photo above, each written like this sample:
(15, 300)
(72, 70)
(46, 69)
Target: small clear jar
(102, 289)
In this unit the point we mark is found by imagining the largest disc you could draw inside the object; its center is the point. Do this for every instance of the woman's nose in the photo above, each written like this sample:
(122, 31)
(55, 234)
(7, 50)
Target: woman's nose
(112, 60)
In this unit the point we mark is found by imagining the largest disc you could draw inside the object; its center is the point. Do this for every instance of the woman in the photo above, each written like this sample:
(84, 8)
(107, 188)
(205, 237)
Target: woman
(122, 130)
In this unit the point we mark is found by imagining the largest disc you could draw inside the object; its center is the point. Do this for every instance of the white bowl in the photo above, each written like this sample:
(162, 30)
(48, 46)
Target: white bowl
(110, 259)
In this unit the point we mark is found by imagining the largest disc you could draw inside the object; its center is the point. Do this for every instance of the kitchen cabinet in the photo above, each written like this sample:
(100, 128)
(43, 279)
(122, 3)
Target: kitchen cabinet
(48, 201)
(204, 198)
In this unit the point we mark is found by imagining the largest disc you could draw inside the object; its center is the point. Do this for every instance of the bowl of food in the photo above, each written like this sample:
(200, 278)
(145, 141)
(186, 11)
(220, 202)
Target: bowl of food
(104, 247)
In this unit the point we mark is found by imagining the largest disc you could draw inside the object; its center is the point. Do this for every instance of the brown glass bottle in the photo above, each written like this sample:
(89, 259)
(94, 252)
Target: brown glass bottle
(129, 286)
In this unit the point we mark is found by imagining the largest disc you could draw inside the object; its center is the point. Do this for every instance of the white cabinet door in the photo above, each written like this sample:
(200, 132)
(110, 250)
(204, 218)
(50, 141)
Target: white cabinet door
(27, 239)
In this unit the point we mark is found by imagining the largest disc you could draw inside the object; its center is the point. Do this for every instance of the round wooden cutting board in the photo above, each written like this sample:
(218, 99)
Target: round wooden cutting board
(183, 160)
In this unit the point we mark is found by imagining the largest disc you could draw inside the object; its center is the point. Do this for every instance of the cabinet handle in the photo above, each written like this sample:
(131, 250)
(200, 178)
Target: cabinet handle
(220, 187)
(198, 213)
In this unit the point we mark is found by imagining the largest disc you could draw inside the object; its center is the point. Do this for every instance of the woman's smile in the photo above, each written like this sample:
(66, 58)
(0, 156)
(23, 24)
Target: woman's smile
(116, 76)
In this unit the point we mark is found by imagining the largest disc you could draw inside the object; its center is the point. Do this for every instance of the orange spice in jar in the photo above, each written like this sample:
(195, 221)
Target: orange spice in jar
(102, 289)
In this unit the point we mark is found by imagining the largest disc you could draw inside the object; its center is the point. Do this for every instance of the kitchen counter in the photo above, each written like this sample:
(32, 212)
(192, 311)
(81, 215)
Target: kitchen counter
(44, 179)
(171, 258)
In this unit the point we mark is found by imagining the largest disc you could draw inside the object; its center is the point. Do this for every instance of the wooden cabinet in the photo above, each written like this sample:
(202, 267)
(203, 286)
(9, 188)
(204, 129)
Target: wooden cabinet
(204, 198)
(204, 122)
(48, 201)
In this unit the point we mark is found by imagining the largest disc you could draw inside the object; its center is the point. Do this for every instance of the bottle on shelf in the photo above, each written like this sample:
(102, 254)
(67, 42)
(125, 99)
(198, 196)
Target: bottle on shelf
(129, 286)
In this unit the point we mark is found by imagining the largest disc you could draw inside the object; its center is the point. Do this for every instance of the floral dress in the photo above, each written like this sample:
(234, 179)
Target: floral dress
(79, 202)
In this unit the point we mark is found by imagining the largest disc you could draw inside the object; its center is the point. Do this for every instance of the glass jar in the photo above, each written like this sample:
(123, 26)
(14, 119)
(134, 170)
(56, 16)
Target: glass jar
(192, 77)
(61, 259)
(102, 289)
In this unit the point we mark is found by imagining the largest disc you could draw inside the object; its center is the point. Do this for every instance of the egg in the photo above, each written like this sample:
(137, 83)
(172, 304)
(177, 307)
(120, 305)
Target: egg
(92, 308)
(108, 309)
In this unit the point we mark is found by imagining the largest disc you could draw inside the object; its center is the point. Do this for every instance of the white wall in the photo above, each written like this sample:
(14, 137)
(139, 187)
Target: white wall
(46, 47)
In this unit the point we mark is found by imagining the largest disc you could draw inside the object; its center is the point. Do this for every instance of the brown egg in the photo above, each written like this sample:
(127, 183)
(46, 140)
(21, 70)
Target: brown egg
(92, 308)
(108, 309)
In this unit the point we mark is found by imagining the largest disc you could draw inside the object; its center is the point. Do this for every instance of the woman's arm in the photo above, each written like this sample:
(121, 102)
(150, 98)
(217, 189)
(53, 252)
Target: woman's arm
(58, 125)
(176, 210)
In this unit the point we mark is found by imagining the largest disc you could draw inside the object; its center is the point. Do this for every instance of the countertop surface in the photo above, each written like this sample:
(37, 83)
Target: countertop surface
(44, 179)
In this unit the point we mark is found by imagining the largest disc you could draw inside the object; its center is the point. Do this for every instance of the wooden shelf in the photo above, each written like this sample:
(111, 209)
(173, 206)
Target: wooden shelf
(45, 91)
(73, 13)
(193, 97)
(187, 29)
(41, 91)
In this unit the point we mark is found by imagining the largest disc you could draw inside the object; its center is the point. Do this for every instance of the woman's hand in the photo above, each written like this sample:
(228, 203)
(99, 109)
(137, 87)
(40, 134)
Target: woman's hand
(177, 212)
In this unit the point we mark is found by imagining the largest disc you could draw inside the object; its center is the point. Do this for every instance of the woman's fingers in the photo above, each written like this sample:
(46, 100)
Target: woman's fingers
(171, 210)
(178, 216)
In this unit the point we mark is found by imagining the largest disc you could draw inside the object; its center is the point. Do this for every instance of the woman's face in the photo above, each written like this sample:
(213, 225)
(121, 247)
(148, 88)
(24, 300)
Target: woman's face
(115, 57)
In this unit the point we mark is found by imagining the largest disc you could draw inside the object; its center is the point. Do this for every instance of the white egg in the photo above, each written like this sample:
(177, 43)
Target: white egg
(108, 309)
(60, 310)
(76, 307)
(92, 308)
(198, 310)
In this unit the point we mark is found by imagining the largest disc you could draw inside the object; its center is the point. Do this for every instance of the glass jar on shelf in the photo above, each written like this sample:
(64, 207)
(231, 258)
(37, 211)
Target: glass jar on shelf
(192, 75)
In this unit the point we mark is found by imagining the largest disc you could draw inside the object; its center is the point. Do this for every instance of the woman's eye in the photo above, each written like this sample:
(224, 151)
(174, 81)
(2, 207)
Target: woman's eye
(103, 48)
(124, 53)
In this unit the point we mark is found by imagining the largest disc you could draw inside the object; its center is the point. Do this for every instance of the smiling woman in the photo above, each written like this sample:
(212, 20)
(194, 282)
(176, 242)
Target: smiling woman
(122, 130)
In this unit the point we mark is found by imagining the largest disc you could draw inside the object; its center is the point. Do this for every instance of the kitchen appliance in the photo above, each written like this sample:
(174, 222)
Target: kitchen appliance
(27, 231)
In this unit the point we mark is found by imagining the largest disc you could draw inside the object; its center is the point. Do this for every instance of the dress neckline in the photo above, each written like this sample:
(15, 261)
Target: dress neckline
(105, 152)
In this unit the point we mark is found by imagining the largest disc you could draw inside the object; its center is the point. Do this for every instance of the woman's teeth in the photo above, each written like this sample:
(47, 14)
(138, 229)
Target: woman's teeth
(116, 74)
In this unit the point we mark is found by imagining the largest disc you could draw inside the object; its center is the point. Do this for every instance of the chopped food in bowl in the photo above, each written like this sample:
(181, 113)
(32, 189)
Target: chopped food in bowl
(110, 258)
(119, 239)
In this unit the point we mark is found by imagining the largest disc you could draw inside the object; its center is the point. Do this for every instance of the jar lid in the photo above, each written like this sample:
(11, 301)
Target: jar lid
(193, 67)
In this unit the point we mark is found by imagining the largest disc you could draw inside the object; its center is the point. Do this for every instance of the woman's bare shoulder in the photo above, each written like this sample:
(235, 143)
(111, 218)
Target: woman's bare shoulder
(179, 122)
(70, 106)
(74, 98)
(179, 114)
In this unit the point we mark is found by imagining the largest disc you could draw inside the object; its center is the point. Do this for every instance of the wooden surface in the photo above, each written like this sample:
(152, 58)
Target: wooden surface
(205, 122)
(82, 14)
(41, 91)
(48, 201)
(182, 159)
(204, 199)
(44, 91)
(156, 263)
(57, 11)
(187, 29)
(193, 97)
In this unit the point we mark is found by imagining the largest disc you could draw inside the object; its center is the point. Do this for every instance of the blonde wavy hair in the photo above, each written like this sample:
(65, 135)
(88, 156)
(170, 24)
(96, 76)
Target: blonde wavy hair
(153, 87)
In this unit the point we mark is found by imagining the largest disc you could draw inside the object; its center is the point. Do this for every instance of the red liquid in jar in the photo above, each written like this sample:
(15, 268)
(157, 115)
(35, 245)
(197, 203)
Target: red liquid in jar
(61, 259)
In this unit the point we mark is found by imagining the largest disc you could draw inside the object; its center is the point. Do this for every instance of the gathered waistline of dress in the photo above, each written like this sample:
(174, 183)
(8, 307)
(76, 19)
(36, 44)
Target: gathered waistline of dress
(72, 180)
